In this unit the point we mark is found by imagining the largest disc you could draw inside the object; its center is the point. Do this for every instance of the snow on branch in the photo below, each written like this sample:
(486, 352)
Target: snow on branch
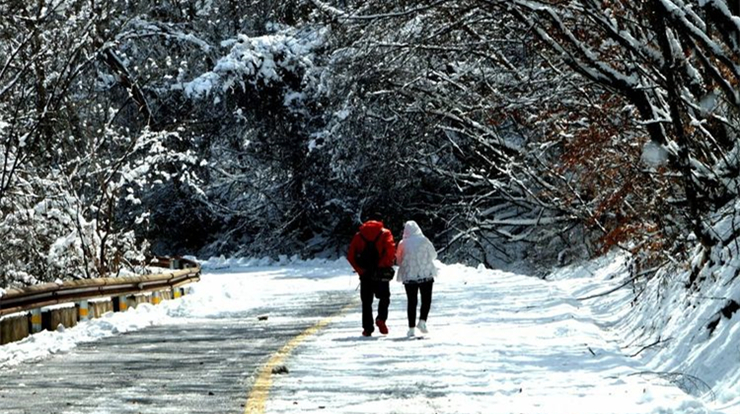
(682, 22)
(333, 11)
(339, 14)
(259, 61)
(142, 28)
(585, 61)
(539, 221)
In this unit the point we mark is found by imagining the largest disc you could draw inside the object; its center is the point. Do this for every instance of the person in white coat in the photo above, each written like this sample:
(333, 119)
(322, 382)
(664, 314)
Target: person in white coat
(415, 257)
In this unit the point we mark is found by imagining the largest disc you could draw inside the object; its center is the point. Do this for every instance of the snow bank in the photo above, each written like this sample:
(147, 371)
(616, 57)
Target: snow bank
(221, 262)
(667, 328)
(47, 343)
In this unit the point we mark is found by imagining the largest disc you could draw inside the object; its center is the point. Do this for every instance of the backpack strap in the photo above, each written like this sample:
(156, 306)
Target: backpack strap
(381, 252)
(382, 249)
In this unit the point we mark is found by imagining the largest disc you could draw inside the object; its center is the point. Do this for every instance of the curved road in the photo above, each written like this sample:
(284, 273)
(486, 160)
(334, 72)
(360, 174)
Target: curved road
(197, 366)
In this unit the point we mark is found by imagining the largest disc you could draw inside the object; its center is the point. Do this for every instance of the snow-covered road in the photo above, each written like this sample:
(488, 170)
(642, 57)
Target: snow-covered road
(498, 343)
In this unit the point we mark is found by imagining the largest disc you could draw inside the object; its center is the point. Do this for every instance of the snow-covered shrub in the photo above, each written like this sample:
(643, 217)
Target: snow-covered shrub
(73, 222)
(274, 60)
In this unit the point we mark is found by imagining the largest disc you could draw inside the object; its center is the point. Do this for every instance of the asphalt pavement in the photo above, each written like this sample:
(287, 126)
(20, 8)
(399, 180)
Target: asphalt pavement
(196, 366)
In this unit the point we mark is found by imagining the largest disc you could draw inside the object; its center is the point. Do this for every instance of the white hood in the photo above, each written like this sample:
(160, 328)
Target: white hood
(411, 229)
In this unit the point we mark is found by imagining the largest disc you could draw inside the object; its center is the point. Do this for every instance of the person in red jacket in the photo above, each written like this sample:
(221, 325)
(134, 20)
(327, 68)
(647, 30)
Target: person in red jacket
(373, 231)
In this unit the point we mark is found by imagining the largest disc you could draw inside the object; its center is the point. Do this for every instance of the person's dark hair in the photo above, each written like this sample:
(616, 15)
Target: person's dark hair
(374, 216)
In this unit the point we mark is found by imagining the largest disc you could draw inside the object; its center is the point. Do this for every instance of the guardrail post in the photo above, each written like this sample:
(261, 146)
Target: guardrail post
(36, 320)
(120, 303)
(83, 311)
(14, 328)
(156, 298)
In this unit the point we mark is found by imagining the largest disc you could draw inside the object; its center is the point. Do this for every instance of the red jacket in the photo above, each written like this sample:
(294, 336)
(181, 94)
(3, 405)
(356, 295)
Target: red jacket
(386, 245)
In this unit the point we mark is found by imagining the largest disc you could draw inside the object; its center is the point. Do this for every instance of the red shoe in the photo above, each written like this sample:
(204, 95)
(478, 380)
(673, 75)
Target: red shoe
(366, 333)
(381, 327)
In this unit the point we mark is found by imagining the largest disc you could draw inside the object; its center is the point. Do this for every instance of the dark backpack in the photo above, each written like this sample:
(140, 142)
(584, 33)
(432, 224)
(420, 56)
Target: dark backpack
(369, 257)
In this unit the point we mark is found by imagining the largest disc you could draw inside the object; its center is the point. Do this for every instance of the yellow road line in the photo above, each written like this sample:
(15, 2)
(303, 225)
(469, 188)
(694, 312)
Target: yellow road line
(257, 398)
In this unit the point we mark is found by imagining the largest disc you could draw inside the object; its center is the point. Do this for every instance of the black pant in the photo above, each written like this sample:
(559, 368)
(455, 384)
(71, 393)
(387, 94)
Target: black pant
(412, 290)
(368, 290)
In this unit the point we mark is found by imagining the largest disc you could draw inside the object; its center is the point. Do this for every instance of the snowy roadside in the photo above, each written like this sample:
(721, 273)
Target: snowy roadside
(227, 287)
(666, 329)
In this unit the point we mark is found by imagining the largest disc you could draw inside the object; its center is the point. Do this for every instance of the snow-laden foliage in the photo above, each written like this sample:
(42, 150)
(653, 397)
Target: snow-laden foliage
(511, 131)
(467, 122)
(258, 61)
(68, 224)
(262, 174)
(75, 149)
(547, 108)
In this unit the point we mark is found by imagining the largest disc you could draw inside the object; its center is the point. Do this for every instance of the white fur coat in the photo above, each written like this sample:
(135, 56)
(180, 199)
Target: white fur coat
(415, 255)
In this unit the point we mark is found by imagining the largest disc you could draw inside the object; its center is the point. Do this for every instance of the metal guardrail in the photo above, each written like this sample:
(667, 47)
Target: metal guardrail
(23, 299)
